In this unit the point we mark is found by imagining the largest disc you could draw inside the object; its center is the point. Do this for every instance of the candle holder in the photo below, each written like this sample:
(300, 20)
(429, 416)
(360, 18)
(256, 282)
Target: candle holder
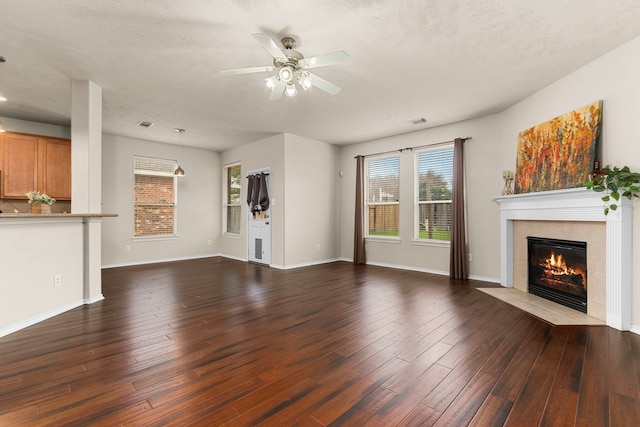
(508, 180)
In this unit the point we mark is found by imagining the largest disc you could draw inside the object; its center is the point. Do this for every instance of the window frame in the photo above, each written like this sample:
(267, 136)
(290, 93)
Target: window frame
(226, 204)
(416, 216)
(169, 164)
(394, 239)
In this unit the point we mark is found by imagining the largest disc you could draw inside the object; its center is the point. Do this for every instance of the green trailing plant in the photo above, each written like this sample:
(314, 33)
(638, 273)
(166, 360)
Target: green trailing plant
(35, 197)
(615, 182)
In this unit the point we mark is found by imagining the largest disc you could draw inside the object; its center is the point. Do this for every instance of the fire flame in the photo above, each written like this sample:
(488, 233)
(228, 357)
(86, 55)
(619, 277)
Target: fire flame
(556, 265)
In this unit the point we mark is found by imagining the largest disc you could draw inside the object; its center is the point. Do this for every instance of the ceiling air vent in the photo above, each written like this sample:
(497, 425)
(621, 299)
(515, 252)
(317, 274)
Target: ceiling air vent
(419, 121)
(144, 124)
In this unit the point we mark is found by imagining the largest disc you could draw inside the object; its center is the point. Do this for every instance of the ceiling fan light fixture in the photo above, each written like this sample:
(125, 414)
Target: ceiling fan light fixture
(304, 80)
(271, 82)
(286, 73)
(290, 90)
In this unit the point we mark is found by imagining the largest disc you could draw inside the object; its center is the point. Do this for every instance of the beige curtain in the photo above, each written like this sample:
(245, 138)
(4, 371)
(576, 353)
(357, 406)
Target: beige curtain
(458, 258)
(359, 255)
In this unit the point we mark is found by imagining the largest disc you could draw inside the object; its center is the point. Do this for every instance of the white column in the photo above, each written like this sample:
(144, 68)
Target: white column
(86, 170)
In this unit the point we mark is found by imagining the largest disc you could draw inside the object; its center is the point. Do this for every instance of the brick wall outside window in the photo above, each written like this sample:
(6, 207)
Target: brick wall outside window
(154, 197)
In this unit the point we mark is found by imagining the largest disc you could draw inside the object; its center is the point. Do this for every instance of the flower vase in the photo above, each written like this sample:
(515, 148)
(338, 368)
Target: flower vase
(40, 208)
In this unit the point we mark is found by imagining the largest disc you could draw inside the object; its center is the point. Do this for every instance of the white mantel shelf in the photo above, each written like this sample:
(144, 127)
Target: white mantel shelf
(577, 204)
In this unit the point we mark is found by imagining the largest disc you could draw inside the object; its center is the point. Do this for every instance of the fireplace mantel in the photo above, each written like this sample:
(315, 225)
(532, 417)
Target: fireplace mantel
(577, 204)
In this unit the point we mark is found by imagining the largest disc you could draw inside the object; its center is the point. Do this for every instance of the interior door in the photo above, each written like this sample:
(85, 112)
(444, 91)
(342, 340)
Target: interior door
(259, 226)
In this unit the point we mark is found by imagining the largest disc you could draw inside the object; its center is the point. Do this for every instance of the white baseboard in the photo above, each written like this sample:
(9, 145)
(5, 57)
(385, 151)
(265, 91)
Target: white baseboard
(39, 318)
(305, 264)
(233, 257)
(94, 299)
(486, 279)
(635, 329)
(406, 267)
(156, 261)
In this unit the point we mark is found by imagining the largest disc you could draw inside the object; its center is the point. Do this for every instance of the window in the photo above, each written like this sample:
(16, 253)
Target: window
(155, 197)
(383, 196)
(231, 203)
(434, 180)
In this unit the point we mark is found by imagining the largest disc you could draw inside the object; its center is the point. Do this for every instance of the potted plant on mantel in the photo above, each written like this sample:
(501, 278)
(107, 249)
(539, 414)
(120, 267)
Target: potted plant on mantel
(40, 203)
(616, 182)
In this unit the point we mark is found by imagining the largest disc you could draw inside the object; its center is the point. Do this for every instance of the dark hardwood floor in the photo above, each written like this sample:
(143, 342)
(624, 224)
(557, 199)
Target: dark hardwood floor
(220, 342)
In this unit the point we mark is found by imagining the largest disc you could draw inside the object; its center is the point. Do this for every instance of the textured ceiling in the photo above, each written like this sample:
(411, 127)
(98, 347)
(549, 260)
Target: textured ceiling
(159, 61)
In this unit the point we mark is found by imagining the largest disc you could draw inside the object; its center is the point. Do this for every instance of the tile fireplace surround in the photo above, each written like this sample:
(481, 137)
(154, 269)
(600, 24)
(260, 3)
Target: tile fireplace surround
(576, 205)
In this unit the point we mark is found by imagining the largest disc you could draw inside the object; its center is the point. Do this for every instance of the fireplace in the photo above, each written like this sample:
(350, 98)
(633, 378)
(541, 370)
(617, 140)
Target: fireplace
(610, 273)
(558, 271)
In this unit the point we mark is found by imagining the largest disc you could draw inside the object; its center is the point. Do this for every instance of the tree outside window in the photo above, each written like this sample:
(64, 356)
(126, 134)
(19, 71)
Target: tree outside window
(434, 178)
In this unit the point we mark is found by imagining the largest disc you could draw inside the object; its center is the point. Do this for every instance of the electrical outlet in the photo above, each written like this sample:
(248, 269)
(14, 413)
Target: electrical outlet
(318, 247)
(57, 281)
(127, 248)
(469, 257)
(209, 242)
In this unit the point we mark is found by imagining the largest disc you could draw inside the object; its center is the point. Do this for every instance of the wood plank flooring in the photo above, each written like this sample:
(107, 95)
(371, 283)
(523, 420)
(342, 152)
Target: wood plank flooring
(213, 342)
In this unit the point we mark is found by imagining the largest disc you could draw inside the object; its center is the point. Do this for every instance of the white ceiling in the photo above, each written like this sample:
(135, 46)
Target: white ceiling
(159, 61)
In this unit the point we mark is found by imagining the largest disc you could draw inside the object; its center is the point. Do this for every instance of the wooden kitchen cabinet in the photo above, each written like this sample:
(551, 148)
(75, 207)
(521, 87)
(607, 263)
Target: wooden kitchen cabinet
(32, 162)
(54, 167)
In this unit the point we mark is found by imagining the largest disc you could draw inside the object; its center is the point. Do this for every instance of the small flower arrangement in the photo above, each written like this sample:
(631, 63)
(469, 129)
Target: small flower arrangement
(35, 198)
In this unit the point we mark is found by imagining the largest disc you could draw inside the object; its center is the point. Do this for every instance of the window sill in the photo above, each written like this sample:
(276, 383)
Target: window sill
(434, 243)
(232, 235)
(379, 239)
(152, 238)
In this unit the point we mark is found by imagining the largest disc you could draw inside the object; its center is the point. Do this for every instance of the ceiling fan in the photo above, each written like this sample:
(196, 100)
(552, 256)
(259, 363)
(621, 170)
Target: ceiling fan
(291, 66)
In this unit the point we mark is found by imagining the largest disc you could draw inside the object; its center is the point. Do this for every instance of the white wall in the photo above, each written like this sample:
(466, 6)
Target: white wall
(483, 172)
(32, 252)
(265, 153)
(199, 198)
(303, 173)
(612, 78)
(34, 128)
(311, 170)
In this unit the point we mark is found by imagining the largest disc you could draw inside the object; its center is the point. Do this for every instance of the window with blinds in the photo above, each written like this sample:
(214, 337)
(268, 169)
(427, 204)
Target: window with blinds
(231, 203)
(383, 196)
(154, 197)
(434, 183)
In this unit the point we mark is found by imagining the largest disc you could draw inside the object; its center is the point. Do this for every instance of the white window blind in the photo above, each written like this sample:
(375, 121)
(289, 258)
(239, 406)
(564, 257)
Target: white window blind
(434, 183)
(383, 196)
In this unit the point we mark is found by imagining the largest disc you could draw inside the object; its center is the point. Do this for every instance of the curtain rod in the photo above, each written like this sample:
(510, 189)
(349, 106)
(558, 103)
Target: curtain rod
(400, 150)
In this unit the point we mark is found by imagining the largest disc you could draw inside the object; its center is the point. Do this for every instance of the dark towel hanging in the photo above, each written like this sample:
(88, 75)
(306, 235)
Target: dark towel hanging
(250, 184)
(264, 194)
(255, 193)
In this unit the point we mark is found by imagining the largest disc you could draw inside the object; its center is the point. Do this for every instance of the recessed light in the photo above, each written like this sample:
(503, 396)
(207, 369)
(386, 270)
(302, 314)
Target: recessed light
(144, 124)
(2, 98)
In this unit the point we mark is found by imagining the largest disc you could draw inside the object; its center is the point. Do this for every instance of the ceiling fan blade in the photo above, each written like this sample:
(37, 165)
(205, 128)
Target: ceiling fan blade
(323, 84)
(277, 91)
(324, 60)
(247, 70)
(270, 46)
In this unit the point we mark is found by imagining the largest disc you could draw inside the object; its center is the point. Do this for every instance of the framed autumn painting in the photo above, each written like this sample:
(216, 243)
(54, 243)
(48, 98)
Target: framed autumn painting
(559, 153)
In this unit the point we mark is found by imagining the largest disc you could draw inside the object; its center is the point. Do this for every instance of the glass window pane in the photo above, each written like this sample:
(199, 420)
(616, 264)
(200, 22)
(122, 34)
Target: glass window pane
(233, 185)
(434, 182)
(233, 219)
(435, 174)
(383, 220)
(434, 221)
(383, 180)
